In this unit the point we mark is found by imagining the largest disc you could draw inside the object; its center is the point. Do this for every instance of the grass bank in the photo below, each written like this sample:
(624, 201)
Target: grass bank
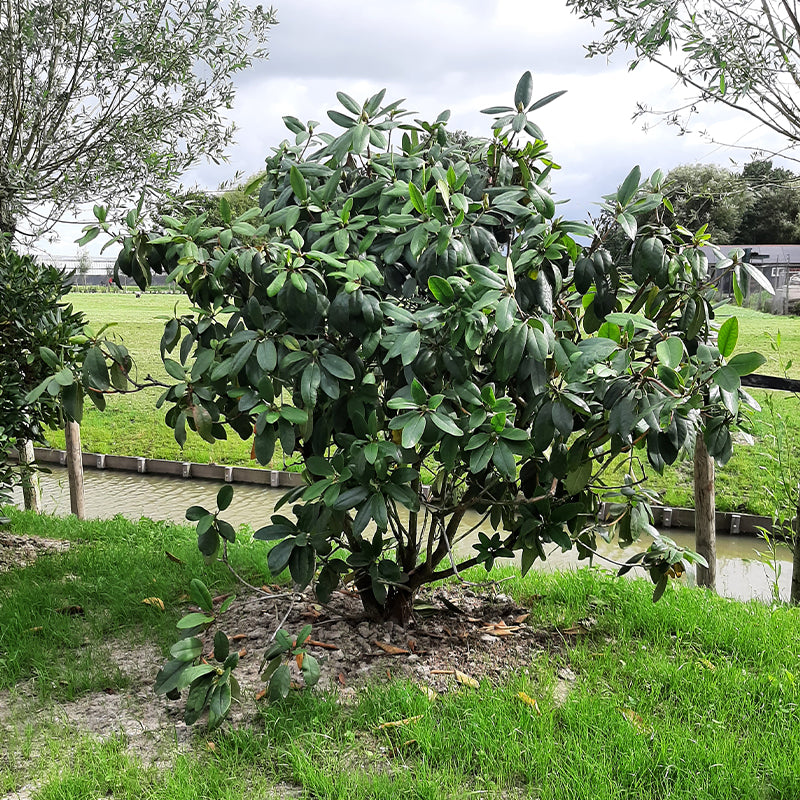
(693, 697)
(131, 425)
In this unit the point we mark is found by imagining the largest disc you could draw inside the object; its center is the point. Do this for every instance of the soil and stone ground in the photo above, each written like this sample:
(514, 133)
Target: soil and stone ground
(457, 634)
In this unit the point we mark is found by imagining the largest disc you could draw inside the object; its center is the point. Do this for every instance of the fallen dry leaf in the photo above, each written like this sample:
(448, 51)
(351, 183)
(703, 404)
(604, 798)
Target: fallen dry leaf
(398, 723)
(156, 602)
(521, 618)
(341, 678)
(466, 680)
(261, 695)
(635, 720)
(299, 660)
(529, 701)
(211, 746)
(391, 649)
(499, 629)
(431, 694)
(243, 652)
(237, 637)
(577, 630)
(325, 645)
(173, 558)
(220, 597)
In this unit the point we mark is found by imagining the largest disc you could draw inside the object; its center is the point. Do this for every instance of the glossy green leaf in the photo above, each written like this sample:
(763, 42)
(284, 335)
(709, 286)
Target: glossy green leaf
(200, 595)
(412, 432)
(186, 649)
(193, 620)
(629, 186)
(746, 363)
(728, 336)
(670, 352)
(224, 496)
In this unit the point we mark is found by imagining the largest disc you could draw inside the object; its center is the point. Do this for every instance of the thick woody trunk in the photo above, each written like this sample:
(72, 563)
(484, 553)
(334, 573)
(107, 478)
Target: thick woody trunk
(72, 431)
(31, 491)
(705, 514)
(398, 607)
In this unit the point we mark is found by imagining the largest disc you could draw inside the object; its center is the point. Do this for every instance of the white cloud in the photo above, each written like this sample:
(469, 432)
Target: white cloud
(463, 55)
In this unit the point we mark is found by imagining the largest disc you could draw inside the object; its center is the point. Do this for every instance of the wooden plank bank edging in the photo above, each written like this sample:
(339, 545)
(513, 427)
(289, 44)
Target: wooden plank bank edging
(727, 522)
(176, 469)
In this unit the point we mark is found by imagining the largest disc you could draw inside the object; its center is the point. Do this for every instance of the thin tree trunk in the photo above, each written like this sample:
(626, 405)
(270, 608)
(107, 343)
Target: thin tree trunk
(31, 491)
(705, 514)
(72, 431)
(794, 592)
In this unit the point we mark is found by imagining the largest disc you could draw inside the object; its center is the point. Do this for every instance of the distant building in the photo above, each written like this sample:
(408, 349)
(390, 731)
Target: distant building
(780, 264)
(100, 271)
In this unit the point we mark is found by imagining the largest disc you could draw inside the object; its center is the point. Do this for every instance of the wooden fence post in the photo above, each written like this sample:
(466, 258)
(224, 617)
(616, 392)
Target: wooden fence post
(794, 591)
(705, 513)
(72, 434)
(31, 490)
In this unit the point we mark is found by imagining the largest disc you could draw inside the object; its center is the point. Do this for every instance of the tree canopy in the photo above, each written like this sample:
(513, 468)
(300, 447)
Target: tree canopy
(411, 316)
(738, 53)
(759, 205)
(112, 99)
(706, 194)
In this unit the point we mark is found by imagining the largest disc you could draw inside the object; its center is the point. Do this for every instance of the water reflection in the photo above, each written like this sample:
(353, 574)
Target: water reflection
(740, 573)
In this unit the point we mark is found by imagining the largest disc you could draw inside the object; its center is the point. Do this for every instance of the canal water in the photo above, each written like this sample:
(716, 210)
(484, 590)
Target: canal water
(741, 573)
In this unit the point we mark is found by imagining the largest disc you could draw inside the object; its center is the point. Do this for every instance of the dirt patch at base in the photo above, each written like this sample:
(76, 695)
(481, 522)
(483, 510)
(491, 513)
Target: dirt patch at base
(481, 636)
(455, 630)
(21, 551)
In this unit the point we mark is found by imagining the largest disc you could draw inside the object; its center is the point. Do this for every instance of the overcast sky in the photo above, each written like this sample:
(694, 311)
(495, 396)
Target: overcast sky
(465, 55)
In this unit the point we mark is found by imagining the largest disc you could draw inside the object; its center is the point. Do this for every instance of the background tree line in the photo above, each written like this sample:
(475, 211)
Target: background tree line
(759, 205)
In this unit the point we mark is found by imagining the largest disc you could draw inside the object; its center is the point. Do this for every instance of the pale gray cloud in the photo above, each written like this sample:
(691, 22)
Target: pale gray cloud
(464, 55)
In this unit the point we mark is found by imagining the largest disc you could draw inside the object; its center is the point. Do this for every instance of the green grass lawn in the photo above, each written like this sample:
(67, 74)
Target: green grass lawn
(131, 424)
(692, 698)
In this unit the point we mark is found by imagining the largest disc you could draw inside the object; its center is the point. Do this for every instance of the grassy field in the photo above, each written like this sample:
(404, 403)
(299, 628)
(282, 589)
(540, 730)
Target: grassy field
(131, 425)
(692, 698)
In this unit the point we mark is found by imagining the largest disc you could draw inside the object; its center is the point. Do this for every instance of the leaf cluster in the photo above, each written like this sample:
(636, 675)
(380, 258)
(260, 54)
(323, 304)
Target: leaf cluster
(737, 53)
(420, 326)
(210, 681)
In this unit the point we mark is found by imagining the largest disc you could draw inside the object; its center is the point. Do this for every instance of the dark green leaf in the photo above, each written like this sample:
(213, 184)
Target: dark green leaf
(169, 676)
(728, 336)
(224, 496)
(95, 372)
(281, 679)
(194, 513)
(524, 90)
(222, 646)
(337, 367)
(200, 595)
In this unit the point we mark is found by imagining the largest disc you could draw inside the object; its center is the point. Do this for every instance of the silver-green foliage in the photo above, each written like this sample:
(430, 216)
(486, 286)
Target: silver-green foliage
(741, 54)
(114, 98)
